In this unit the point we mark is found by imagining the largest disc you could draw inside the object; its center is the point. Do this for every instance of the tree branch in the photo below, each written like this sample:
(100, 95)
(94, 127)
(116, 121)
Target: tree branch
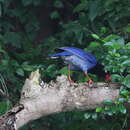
(59, 96)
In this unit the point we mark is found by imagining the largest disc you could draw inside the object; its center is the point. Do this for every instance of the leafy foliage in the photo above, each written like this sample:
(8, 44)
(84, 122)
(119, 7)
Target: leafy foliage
(32, 29)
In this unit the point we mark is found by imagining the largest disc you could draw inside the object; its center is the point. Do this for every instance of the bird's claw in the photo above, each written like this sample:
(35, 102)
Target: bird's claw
(90, 82)
(71, 81)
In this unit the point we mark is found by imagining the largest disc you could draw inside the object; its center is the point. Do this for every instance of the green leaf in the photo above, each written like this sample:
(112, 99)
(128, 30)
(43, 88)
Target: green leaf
(50, 68)
(87, 115)
(116, 77)
(126, 62)
(125, 92)
(99, 109)
(25, 128)
(128, 45)
(58, 4)
(107, 108)
(4, 106)
(128, 100)
(110, 113)
(121, 100)
(13, 38)
(94, 9)
(81, 6)
(15, 63)
(111, 37)
(121, 41)
(36, 2)
(128, 29)
(64, 70)
(114, 109)
(115, 43)
(94, 45)
(28, 67)
(122, 109)
(27, 2)
(94, 116)
(108, 101)
(128, 70)
(55, 15)
(2, 1)
(95, 36)
(5, 62)
(117, 54)
(20, 72)
(127, 81)
(2, 51)
(103, 30)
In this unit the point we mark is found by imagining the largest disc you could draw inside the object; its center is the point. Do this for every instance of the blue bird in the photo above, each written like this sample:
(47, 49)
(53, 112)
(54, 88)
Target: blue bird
(76, 59)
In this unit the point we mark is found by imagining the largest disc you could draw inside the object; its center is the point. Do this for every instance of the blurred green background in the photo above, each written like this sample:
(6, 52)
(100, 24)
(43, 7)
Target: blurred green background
(32, 29)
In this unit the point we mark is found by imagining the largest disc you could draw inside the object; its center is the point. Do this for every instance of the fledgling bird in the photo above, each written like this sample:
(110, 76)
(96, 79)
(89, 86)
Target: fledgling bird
(76, 59)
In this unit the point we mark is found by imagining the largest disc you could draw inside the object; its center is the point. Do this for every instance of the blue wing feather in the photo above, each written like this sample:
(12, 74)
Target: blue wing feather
(64, 53)
(80, 53)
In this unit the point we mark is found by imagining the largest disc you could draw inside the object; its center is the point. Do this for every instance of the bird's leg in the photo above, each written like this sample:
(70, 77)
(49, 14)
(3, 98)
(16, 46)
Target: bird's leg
(90, 81)
(69, 78)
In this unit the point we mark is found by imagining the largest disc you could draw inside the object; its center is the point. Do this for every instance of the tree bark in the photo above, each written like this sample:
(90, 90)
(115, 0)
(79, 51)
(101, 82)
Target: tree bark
(41, 99)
